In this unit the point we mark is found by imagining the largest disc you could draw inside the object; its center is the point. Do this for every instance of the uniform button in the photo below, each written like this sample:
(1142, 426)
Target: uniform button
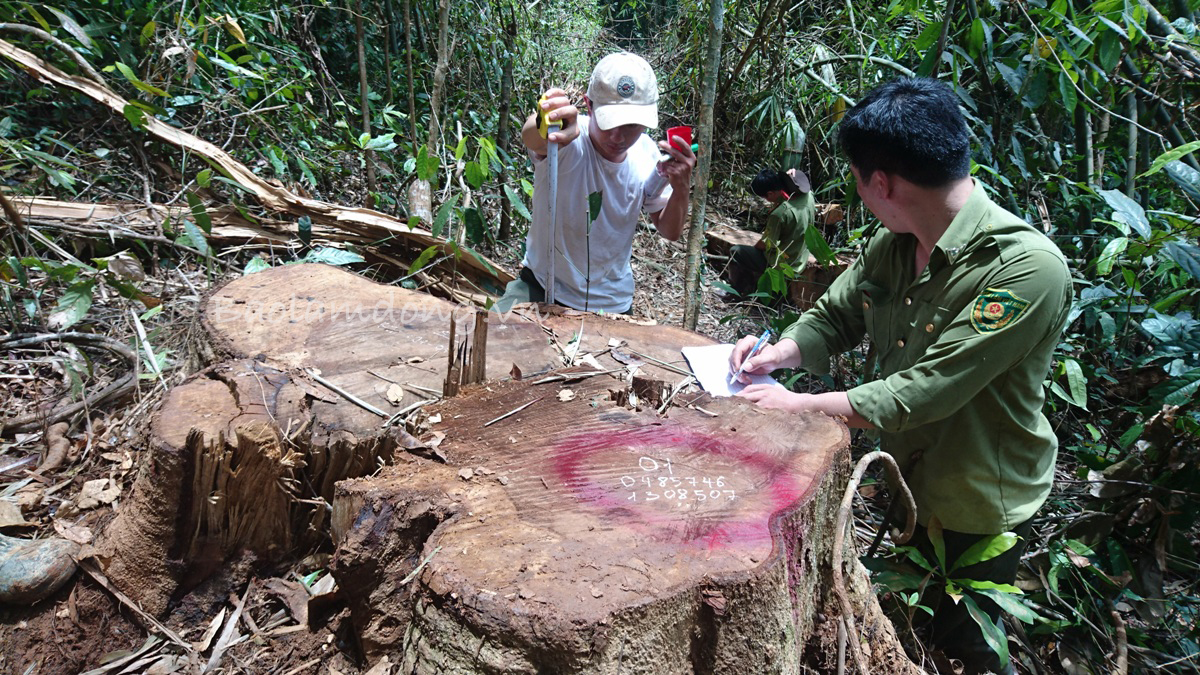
(866, 305)
(900, 342)
(908, 301)
(928, 328)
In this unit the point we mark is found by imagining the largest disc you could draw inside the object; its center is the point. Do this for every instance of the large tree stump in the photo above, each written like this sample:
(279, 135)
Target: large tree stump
(605, 527)
(584, 537)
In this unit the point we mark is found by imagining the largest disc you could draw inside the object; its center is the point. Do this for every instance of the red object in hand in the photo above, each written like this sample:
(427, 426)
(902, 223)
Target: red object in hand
(683, 132)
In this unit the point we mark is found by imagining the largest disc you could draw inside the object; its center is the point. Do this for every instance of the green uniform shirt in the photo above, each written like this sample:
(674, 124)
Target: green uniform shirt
(963, 350)
(784, 235)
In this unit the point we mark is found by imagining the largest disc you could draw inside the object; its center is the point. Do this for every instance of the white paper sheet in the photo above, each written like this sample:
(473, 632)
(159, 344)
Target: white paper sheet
(710, 365)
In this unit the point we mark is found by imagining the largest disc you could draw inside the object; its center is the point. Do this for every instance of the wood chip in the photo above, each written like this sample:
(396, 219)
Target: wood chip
(10, 515)
(395, 394)
(566, 395)
(96, 493)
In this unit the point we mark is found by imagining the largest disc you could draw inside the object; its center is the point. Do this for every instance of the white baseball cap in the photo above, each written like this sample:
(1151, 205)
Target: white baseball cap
(623, 90)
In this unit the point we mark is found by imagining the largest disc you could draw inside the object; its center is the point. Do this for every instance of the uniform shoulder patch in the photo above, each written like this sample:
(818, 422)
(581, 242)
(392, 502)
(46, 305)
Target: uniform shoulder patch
(995, 309)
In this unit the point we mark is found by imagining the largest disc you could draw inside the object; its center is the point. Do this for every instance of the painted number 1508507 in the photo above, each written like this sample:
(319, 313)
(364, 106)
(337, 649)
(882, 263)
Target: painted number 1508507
(672, 487)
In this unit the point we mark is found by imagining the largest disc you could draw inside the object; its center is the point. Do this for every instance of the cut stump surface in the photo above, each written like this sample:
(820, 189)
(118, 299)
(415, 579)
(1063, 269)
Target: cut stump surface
(580, 536)
(604, 527)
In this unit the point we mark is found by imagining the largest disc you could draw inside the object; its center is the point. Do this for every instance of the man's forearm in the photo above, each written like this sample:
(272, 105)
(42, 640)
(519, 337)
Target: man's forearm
(669, 222)
(532, 138)
(837, 404)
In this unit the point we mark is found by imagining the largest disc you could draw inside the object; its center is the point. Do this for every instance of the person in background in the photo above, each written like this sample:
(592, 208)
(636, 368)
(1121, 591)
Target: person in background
(783, 240)
(964, 304)
(606, 152)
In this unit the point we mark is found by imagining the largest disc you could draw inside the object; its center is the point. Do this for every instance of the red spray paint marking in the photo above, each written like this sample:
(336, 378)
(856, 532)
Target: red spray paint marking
(573, 459)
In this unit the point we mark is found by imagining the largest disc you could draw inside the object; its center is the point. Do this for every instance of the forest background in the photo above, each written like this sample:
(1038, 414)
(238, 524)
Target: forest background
(1083, 117)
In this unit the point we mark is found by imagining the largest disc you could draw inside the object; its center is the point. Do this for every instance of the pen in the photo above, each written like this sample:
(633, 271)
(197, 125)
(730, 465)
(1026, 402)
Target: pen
(762, 341)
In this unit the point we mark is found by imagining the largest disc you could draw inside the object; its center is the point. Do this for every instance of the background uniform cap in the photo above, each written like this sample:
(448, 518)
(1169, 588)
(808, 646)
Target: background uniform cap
(623, 90)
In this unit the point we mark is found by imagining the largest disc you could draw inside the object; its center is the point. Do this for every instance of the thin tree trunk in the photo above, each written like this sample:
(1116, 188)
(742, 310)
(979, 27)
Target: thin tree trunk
(1131, 144)
(708, 93)
(947, 17)
(412, 96)
(502, 130)
(388, 15)
(364, 102)
(764, 19)
(439, 73)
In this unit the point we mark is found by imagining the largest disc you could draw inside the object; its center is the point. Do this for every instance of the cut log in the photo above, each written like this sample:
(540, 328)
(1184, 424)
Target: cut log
(551, 519)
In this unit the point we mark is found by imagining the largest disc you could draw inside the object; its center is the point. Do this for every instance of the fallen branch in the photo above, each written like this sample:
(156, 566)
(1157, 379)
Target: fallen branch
(75, 56)
(115, 390)
(374, 225)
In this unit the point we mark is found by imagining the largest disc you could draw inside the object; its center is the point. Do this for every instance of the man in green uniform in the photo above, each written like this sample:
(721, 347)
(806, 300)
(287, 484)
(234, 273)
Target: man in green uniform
(783, 240)
(964, 303)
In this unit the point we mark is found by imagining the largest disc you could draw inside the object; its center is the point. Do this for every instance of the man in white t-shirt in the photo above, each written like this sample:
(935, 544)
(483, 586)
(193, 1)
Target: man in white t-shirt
(614, 157)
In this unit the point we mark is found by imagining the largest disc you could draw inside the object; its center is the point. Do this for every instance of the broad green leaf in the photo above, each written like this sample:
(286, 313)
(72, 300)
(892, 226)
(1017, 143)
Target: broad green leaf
(384, 143)
(1170, 156)
(1108, 257)
(1066, 89)
(234, 68)
(443, 215)
(196, 235)
(72, 306)
(148, 31)
(815, 241)
(517, 204)
(978, 585)
(423, 259)
(333, 256)
(991, 632)
(278, 164)
(427, 167)
(1011, 77)
(595, 203)
(135, 115)
(199, 212)
(133, 79)
(938, 540)
(304, 230)
(204, 178)
(986, 549)
(1109, 52)
(487, 152)
(1077, 383)
(914, 555)
(256, 264)
(897, 581)
(474, 173)
(476, 229)
(1187, 178)
(1178, 390)
(73, 27)
(975, 38)
(460, 149)
(1013, 605)
(479, 258)
(151, 313)
(1186, 255)
(37, 17)
(363, 139)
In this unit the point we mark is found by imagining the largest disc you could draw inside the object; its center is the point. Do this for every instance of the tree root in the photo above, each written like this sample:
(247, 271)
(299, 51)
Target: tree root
(839, 537)
(119, 388)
